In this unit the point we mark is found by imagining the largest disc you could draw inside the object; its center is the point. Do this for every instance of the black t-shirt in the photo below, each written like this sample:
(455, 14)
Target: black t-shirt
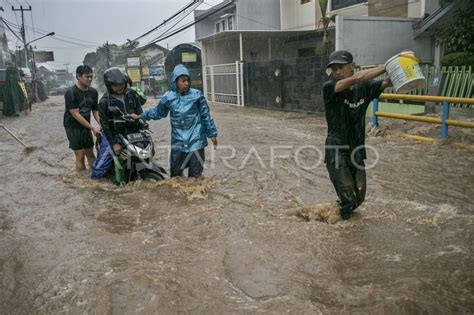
(85, 101)
(345, 116)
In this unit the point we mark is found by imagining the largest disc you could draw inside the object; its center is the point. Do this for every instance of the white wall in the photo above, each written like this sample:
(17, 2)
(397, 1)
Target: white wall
(260, 15)
(431, 6)
(297, 16)
(221, 51)
(373, 40)
(415, 9)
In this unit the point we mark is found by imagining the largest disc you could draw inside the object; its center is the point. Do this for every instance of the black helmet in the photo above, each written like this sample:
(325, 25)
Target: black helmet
(128, 80)
(113, 76)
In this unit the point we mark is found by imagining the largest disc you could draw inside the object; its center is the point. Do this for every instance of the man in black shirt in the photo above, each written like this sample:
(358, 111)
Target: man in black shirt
(346, 98)
(80, 100)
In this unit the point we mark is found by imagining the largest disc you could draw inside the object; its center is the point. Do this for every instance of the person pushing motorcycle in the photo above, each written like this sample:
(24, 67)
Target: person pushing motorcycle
(113, 104)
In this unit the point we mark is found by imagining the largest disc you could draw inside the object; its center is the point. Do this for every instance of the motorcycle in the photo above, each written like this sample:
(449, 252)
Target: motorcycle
(136, 158)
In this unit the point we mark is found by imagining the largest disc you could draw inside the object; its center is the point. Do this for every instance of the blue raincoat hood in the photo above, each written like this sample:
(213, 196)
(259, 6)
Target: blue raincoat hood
(191, 121)
(178, 71)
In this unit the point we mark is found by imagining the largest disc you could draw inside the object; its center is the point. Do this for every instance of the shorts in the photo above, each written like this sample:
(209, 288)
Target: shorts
(79, 138)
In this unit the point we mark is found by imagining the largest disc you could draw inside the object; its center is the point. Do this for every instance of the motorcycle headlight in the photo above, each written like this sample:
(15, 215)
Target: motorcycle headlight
(142, 153)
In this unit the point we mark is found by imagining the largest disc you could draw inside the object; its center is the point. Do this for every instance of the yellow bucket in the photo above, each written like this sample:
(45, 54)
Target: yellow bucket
(404, 72)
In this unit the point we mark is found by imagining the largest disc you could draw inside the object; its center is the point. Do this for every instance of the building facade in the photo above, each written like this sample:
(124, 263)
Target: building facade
(5, 56)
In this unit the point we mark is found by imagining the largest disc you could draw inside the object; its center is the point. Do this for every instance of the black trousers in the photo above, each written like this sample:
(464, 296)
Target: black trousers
(350, 181)
(193, 160)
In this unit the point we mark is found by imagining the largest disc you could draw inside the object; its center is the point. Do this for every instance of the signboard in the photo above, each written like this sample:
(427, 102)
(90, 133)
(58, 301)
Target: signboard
(134, 74)
(153, 71)
(188, 57)
(133, 61)
(60, 71)
(158, 72)
(145, 72)
(43, 56)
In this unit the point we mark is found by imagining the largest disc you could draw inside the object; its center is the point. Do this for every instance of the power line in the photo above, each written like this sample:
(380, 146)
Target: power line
(32, 23)
(69, 37)
(170, 28)
(169, 19)
(14, 13)
(205, 16)
(13, 32)
(57, 36)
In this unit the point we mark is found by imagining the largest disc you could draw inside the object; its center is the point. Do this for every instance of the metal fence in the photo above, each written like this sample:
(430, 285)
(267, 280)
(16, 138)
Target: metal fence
(223, 83)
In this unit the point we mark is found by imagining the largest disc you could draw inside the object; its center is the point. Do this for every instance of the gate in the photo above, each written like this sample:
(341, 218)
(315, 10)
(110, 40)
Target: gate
(224, 83)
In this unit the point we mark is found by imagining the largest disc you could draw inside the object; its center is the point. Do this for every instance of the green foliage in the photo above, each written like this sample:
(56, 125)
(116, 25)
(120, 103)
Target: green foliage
(50, 84)
(111, 55)
(458, 59)
(458, 36)
(323, 4)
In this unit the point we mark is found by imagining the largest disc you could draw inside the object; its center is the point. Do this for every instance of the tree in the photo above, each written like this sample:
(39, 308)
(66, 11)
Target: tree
(325, 21)
(458, 36)
(112, 55)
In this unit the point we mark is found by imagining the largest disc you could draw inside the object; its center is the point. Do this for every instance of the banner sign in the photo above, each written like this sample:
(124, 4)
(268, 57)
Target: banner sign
(43, 56)
(133, 61)
(188, 57)
(134, 74)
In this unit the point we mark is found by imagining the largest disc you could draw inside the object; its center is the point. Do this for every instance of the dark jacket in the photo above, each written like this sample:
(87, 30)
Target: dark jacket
(109, 128)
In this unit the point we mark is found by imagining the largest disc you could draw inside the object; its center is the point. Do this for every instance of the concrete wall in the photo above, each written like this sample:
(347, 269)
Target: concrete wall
(430, 6)
(415, 9)
(207, 26)
(286, 84)
(297, 16)
(373, 40)
(258, 15)
(4, 52)
(219, 51)
(261, 46)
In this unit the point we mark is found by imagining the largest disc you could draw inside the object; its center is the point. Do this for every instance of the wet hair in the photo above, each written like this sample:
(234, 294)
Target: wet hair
(84, 69)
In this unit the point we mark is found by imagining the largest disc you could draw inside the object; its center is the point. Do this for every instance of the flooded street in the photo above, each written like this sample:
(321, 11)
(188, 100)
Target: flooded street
(237, 241)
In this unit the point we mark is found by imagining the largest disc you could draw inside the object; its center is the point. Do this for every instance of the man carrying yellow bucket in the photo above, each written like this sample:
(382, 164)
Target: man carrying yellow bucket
(347, 96)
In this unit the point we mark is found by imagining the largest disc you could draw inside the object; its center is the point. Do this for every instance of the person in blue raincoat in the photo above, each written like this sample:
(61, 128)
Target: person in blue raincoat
(191, 123)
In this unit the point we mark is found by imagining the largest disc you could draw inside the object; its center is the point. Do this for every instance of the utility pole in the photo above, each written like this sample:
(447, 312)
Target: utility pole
(1, 48)
(22, 30)
(107, 53)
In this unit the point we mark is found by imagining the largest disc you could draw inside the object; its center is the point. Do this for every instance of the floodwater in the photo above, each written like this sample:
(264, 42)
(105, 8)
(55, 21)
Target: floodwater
(249, 238)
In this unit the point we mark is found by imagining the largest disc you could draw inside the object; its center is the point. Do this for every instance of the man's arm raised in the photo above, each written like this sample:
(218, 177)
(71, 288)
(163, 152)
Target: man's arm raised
(358, 77)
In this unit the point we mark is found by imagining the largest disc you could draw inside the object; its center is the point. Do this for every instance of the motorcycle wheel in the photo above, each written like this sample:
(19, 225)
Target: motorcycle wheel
(151, 176)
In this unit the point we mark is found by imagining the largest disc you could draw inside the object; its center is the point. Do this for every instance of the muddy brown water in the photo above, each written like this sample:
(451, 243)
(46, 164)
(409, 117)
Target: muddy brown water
(234, 242)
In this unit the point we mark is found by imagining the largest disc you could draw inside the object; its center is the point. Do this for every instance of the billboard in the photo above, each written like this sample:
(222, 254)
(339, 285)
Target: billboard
(188, 57)
(133, 61)
(43, 56)
(134, 74)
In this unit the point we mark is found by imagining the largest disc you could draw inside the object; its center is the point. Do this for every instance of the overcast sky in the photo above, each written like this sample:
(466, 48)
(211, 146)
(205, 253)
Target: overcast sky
(90, 23)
